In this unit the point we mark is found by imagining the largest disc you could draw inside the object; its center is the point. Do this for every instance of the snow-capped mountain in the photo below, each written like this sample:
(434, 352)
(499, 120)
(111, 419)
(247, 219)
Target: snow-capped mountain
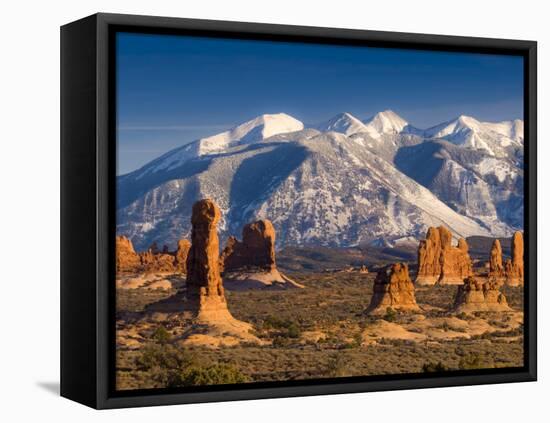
(344, 182)
(471, 133)
(382, 123)
(386, 122)
(512, 129)
(344, 123)
(252, 131)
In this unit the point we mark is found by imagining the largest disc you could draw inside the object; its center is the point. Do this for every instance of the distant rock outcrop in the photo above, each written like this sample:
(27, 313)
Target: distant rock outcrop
(441, 262)
(127, 260)
(393, 288)
(455, 263)
(181, 254)
(429, 254)
(257, 249)
(475, 295)
(251, 263)
(514, 267)
(496, 268)
(152, 260)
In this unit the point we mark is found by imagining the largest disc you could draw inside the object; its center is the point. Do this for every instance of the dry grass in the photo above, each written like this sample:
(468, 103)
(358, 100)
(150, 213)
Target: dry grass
(316, 332)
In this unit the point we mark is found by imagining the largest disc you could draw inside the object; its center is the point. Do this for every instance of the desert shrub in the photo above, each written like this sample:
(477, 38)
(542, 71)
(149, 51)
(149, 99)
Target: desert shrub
(463, 316)
(471, 361)
(434, 367)
(355, 343)
(161, 335)
(444, 327)
(337, 366)
(217, 374)
(164, 357)
(272, 322)
(283, 342)
(390, 315)
(293, 331)
(286, 328)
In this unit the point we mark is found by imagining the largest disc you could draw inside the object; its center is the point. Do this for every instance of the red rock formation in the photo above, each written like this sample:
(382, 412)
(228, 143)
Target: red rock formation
(250, 264)
(429, 253)
(156, 262)
(229, 250)
(475, 295)
(204, 282)
(439, 261)
(496, 268)
(150, 261)
(181, 255)
(257, 249)
(203, 304)
(127, 260)
(514, 267)
(393, 288)
(455, 263)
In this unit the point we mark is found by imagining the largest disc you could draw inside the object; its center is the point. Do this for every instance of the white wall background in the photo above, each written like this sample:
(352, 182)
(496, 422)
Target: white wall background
(29, 212)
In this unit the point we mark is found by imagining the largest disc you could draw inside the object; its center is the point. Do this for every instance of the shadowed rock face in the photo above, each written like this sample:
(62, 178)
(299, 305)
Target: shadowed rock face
(393, 288)
(257, 249)
(475, 295)
(514, 267)
(181, 255)
(496, 268)
(439, 261)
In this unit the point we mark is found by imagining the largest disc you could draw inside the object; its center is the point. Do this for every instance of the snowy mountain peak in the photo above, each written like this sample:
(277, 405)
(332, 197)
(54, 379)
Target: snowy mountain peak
(494, 138)
(274, 124)
(467, 119)
(386, 122)
(257, 129)
(344, 123)
(512, 129)
(460, 124)
(252, 131)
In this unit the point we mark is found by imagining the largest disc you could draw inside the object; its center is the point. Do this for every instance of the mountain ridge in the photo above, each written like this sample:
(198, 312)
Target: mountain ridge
(264, 167)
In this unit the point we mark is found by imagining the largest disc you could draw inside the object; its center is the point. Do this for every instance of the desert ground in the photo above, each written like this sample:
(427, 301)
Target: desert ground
(320, 331)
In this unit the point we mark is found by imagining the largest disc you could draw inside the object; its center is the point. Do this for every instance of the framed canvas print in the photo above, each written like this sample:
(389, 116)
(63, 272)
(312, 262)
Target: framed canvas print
(256, 211)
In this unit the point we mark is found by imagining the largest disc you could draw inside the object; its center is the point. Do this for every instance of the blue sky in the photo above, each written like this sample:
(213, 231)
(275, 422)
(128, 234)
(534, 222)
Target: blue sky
(175, 89)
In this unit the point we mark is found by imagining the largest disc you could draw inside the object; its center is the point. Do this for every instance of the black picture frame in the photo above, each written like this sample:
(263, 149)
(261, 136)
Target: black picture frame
(88, 209)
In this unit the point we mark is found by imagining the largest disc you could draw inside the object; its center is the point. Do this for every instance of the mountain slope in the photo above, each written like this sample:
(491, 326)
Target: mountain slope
(512, 129)
(345, 183)
(317, 188)
(472, 182)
